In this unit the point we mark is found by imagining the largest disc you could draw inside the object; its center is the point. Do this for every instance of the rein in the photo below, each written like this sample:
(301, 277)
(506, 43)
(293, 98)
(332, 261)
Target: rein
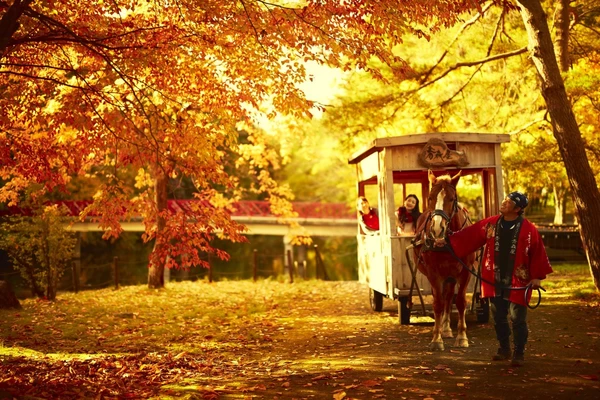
(526, 288)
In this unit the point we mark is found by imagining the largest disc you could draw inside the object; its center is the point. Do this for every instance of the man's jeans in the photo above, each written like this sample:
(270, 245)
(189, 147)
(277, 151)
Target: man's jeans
(500, 311)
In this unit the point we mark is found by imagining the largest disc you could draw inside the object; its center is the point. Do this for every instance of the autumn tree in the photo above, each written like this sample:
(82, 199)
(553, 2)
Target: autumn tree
(92, 87)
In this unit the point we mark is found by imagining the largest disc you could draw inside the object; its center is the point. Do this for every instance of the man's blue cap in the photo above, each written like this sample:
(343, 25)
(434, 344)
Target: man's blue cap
(519, 198)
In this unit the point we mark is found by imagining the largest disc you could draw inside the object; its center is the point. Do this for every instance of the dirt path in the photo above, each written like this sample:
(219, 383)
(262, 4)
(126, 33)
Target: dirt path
(275, 340)
(336, 347)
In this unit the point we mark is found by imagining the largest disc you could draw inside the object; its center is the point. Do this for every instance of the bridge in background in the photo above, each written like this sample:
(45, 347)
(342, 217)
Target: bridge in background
(563, 243)
(316, 219)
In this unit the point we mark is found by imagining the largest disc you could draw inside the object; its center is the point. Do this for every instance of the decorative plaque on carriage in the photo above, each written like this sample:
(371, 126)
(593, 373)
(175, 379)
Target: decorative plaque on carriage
(436, 153)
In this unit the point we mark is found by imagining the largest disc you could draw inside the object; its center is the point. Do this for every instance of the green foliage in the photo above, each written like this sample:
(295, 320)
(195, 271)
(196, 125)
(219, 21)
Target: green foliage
(471, 195)
(439, 96)
(318, 167)
(339, 258)
(39, 247)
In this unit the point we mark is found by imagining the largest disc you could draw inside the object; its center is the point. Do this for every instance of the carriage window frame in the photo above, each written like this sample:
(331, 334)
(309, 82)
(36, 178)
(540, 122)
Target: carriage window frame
(486, 178)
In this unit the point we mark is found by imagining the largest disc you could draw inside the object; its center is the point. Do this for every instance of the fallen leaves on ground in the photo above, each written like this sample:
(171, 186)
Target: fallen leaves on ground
(134, 376)
(259, 340)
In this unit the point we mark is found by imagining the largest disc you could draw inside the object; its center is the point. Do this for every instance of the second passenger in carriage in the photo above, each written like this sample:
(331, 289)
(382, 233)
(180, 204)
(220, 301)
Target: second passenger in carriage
(368, 217)
(408, 215)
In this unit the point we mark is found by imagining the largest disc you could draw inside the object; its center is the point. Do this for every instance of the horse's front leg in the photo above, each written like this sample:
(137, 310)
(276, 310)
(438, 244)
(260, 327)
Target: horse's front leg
(437, 343)
(448, 299)
(461, 306)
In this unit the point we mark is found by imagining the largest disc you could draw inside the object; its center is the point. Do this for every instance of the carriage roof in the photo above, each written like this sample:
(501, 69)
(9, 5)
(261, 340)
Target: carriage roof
(422, 138)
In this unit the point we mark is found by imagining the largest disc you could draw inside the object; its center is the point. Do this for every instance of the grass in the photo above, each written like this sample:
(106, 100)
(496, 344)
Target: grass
(571, 268)
(151, 337)
(575, 281)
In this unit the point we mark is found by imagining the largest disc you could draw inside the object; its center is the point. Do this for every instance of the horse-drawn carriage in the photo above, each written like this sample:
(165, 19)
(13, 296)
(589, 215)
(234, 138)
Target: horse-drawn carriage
(388, 170)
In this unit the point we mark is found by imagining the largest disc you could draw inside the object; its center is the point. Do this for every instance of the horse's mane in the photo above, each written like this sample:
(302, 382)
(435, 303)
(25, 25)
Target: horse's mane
(445, 177)
(441, 181)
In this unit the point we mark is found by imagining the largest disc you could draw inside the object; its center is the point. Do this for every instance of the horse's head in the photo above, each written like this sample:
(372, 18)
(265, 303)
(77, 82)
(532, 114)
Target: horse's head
(442, 204)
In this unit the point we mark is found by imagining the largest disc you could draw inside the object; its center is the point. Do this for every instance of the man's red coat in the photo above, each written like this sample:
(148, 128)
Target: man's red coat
(531, 261)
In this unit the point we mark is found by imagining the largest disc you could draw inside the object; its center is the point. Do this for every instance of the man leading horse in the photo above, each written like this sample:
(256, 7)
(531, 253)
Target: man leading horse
(514, 260)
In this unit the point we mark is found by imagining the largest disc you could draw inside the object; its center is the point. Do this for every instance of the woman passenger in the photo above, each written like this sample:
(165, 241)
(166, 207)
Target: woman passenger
(367, 216)
(408, 215)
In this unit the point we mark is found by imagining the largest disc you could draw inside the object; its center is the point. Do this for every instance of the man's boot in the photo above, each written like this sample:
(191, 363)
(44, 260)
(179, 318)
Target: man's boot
(503, 354)
(518, 358)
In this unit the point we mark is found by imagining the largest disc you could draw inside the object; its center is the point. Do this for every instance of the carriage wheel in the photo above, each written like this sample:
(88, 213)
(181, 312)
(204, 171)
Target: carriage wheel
(376, 300)
(403, 311)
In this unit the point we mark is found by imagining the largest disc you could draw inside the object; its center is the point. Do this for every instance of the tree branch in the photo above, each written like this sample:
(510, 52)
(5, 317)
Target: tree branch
(59, 30)
(473, 63)
(463, 28)
(527, 126)
(10, 22)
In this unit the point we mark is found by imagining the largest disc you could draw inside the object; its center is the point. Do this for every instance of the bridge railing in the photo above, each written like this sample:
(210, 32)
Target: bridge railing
(249, 208)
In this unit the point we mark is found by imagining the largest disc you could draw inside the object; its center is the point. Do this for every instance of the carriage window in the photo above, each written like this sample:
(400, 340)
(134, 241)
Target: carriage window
(406, 220)
(471, 194)
(401, 190)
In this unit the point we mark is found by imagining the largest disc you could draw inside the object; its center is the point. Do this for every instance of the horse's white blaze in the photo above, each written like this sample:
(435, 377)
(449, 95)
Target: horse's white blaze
(437, 219)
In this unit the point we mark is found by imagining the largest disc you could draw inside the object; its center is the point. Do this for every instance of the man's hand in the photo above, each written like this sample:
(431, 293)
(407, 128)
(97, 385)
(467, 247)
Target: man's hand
(440, 242)
(535, 283)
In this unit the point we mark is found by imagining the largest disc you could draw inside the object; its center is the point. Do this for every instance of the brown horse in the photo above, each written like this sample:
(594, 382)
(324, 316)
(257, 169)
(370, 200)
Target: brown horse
(443, 271)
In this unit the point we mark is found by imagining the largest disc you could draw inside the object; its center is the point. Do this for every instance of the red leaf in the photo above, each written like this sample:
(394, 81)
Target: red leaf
(370, 383)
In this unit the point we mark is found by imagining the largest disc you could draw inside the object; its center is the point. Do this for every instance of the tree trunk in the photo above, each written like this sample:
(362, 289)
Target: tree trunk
(50, 281)
(561, 39)
(36, 289)
(156, 278)
(558, 205)
(565, 199)
(566, 131)
(7, 297)
(10, 22)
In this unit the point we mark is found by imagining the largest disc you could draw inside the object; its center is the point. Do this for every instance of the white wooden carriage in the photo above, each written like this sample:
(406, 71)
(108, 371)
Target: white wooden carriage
(389, 169)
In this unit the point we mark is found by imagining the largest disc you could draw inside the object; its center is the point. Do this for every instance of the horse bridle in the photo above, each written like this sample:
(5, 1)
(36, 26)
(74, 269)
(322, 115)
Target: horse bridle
(448, 219)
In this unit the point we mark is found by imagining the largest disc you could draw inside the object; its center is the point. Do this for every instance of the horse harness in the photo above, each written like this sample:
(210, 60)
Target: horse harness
(422, 239)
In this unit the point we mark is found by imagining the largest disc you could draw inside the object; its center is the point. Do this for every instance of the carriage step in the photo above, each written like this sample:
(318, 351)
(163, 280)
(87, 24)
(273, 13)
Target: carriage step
(406, 292)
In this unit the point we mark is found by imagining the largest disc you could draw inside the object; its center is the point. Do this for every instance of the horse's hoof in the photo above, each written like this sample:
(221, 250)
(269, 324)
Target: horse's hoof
(461, 343)
(436, 346)
(447, 334)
